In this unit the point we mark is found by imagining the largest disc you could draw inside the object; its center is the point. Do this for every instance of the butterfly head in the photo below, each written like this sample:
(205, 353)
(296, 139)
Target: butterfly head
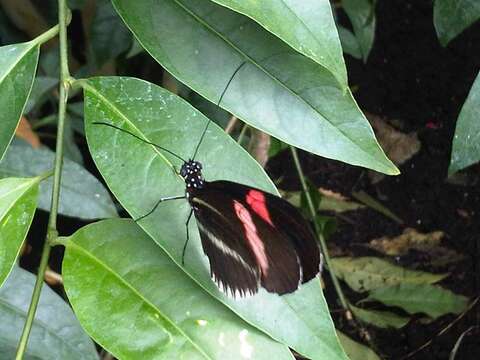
(191, 172)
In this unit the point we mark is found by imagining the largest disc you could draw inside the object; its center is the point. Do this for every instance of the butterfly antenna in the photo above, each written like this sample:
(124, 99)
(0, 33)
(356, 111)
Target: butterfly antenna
(218, 104)
(139, 138)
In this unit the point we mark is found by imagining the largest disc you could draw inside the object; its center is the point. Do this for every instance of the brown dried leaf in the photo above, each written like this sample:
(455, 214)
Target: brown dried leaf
(24, 131)
(410, 239)
(399, 147)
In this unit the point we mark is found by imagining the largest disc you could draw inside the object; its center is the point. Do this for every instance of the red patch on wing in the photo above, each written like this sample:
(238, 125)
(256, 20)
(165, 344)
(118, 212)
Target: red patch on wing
(251, 234)
(256, 200)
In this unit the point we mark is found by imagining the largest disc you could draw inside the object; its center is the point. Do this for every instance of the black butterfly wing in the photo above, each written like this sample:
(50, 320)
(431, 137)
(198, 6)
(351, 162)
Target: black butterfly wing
(252, 237)
(285, 218)
(232, 265)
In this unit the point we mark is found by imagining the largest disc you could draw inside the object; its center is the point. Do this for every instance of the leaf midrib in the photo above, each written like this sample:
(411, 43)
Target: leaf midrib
(115, 109)
(316, 55)
(72, 244)
(211, 29)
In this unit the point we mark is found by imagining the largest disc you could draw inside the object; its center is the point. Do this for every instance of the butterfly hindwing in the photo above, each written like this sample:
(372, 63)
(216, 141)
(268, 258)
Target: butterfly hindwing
(237, 223)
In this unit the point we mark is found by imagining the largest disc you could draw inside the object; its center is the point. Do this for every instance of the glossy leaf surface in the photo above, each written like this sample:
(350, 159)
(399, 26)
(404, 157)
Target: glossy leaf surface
(369, 273)
(150, 309)
(451, 17)
(18, 200)
(56, 333)
(18, 63)
(81, 194)
(307, 26)
(138, 175)
(276, 90)
(466, 141)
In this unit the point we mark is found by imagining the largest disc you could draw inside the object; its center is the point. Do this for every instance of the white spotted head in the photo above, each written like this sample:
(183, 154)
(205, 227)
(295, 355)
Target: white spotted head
(191, 172)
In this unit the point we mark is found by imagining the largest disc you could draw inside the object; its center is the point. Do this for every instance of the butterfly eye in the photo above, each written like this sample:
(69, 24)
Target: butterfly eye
(183, 171)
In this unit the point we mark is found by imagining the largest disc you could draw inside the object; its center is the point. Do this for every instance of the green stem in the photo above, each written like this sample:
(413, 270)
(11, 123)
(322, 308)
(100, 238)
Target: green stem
(52, 233)
(318, 230)
(45, 175)
(47, 35)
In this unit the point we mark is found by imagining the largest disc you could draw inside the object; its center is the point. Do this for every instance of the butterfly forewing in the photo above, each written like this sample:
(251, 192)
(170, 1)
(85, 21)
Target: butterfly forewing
(253, 238)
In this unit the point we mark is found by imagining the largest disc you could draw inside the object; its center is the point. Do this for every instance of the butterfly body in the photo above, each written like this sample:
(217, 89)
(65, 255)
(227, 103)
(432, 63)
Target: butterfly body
(252, 238)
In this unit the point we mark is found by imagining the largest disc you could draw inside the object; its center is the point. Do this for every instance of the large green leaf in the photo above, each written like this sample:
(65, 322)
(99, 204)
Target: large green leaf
(307, 26)
(147, 292)
(81, 194)
(18, 200)
(466, 141)
(139, 175)
(421, 298)
(18, 63)
(56, 333)
(362, 16)
(451, 17)
(277, 90)
(368, 273)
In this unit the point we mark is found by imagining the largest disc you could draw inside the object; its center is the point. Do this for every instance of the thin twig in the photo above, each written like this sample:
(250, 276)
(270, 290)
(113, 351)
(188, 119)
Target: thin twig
(323, 245)
(341, 296)
(444, 330)
(64, 17)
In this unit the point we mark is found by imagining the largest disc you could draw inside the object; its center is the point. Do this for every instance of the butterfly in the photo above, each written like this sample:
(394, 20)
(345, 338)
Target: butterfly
(252, 238)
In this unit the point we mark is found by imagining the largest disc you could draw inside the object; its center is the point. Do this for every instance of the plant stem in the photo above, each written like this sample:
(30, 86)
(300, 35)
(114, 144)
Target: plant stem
(323, 246)
(52, 233)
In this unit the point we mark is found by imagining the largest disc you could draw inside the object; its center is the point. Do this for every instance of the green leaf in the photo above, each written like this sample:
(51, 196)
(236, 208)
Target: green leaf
(139, 175)
(381, 319)
(108, 36)
(18, 63)
(307, 26)
(56, 333)
(421, 298)
(277, 90)
(349, 42)
(466, 141)
(451, 17)
(82, 195)
(18, 201)
(369, 273)
(362, 16)
(355, 350)
(148, 291)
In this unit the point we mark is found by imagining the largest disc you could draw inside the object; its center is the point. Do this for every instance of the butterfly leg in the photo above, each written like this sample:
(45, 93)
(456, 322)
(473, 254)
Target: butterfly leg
(188, 237)
(158, 203)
